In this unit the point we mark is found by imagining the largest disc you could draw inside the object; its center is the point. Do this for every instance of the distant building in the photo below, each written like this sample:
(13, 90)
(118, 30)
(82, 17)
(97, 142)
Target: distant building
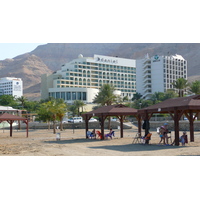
(11, 86)
(81, 78)
(156, 74)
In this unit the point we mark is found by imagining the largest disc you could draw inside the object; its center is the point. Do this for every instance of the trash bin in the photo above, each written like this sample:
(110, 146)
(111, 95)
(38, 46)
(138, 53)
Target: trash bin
(57, 136)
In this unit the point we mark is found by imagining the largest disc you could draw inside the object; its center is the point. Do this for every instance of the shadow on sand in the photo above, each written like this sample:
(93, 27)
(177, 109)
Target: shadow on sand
(136, 147)
(122, 148)
(71, 141)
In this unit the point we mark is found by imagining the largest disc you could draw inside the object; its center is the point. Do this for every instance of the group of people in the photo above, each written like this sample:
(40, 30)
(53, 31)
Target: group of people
(97, 134)
(163, 132)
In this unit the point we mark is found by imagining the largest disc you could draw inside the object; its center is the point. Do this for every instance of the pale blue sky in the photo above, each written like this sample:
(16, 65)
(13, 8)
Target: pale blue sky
(11, 50)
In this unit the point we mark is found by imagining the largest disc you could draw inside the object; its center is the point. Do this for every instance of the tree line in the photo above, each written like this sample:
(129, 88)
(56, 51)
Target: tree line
(53, 110)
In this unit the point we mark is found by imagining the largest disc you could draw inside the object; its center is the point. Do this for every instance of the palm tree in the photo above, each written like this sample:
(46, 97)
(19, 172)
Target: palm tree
(79, 104)
(106, 95)
(22, 100)
(195, 87)
(136, 96)
(157, 97)
(181, 84)
(53, 110)
(61, 111)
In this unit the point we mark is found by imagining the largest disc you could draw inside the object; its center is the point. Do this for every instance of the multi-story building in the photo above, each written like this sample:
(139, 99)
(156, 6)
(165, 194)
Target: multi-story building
(156, 74)
(11, 86)
(81, 78)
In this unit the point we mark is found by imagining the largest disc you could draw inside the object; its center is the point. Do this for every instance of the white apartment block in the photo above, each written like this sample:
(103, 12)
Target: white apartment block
(81, 78)
(11, 86)
(156, 74)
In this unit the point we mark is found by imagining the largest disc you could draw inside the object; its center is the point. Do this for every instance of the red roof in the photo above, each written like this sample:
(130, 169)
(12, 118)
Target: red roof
(6, 116)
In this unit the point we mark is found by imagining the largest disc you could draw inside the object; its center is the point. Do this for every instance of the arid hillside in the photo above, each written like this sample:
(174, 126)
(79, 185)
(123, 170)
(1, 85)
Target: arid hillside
(50, 57)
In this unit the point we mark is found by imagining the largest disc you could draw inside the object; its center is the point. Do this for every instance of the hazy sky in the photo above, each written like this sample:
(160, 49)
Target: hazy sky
(10, 50)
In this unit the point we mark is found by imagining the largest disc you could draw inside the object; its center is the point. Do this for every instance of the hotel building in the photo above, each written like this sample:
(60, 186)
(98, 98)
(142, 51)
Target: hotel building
(81, 78)
(156, 74)
(11, 86)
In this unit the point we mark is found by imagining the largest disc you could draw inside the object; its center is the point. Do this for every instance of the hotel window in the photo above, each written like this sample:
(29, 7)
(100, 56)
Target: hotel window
(68, 95)
(63, 95)
(57, 95)
(84, 96)
(73, 95)
(79, 96)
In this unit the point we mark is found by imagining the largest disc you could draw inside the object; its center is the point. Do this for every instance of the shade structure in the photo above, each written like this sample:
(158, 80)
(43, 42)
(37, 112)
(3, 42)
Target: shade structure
(119, 110)
(11, 118)
(176, 107)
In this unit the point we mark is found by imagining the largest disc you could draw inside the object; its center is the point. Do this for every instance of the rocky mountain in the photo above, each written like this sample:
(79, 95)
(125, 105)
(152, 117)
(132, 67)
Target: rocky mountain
(54, 55)
(48, 58)
(29, 68)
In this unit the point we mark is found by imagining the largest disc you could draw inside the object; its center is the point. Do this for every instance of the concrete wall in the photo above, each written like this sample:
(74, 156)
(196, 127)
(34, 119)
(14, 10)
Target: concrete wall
(92, 125)
(183, 125)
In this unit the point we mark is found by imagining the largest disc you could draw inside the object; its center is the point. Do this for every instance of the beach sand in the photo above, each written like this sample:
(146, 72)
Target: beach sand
(43, 143)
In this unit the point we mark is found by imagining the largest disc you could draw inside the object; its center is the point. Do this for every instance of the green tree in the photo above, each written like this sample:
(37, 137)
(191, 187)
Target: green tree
(22, 100)
(125, 98)
(106, 95)
(8, 100)
(169, 94)
(61, 111)
(32, 106)
(180, 84)
(195, 87)
(157, 97)
(43, 114)
(52, 111)
(79, 104)
(73, 110)
(136, 96)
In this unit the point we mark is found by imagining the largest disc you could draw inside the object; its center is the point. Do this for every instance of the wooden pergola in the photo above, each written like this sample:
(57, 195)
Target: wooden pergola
(188, 106)
(11, 118)
(120, 111)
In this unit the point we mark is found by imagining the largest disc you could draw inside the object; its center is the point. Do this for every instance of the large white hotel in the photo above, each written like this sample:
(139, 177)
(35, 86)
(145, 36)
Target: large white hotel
(156, 74)
(11, 86)
(81, 78)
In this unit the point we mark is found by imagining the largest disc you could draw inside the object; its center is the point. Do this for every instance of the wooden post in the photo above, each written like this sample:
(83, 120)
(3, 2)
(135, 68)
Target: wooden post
(121, 127)
(102, 126)
(11, 122)
(27, 128)
(147, 123)
(191, 120)
(86, 126)
(176, 127)
(139, 124)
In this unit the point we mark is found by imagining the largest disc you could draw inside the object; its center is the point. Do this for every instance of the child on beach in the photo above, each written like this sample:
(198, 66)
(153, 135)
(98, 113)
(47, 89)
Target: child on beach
(183, 138)
(163, 134)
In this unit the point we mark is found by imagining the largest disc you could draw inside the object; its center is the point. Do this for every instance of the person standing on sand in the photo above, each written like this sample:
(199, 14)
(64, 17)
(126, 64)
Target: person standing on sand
(163, 134)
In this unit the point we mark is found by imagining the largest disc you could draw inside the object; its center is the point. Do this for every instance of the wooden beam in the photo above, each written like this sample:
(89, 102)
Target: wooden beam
(102, 125)
(10, 122)
(176, 126)
(191, 121)
(27, 128)
(121, 118)
(139, 119)
(86, 126)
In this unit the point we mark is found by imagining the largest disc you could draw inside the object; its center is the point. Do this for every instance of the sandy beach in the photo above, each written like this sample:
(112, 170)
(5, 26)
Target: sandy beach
(43, 143)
